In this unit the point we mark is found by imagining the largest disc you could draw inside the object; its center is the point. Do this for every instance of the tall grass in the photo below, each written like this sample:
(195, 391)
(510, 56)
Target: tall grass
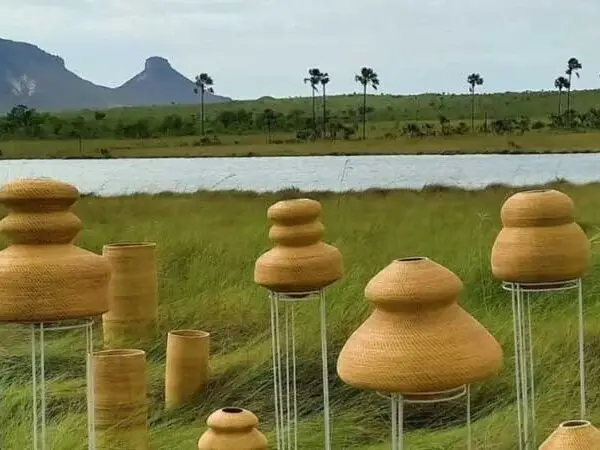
(207, 245)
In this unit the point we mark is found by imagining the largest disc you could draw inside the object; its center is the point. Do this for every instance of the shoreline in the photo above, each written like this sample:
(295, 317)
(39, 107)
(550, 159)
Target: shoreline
(309, 154)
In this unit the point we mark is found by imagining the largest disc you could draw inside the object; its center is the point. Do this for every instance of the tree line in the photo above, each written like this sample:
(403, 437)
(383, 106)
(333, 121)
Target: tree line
(23, 122)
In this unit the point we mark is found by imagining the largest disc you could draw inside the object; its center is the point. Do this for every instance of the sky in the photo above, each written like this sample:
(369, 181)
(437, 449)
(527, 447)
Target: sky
(254, 48)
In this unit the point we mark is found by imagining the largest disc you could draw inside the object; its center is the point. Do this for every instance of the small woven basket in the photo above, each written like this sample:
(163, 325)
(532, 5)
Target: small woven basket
(133, 295)
(418, 340)
(121, 406)
(573, 435)
(300, 261)
(186, 368)
(232, 428)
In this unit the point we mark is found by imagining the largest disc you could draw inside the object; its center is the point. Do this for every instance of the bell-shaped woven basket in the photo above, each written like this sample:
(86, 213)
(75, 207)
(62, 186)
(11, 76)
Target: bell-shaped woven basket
(300, 261)
(540, 241)
(573, 435)
(418, 340)
(44, 277)
(232, 428)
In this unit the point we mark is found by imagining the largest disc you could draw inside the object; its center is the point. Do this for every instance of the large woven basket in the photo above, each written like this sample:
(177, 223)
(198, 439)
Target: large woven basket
(573, 435)
(121, 406)
(418, 340)
(44, 277)
(133, 294)
(186, 368)
(299, 262)
(232, 428)
(540, 241)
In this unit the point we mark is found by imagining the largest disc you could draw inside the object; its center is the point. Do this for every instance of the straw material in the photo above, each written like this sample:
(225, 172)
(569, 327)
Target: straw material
(418, 339)
(186, 369)
(299, 262)
(540, 240)
(121, 407)
(43, 276)
(232, 428)
(573, 435)
(133, 295)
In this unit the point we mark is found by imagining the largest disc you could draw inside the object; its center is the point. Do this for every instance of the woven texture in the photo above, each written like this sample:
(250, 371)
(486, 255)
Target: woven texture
(418, 339)
(540, 240)
(573, 435)
(186, 368)
(44, 277)
(299, 262)
(232, 428)
(121, 406)
(132, 295)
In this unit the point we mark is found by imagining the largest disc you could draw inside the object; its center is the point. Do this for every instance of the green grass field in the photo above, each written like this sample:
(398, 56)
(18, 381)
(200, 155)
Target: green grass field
(207, 245)
(532, 142)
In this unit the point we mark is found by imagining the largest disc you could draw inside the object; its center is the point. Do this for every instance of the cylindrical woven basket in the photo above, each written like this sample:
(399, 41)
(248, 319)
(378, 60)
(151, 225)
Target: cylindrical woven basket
(187, 366)
(45, 277)
(418, 340)
(540, 241)
(573, 435)
(133, 295)
(300, 261)
(121, 406)
(232, 428)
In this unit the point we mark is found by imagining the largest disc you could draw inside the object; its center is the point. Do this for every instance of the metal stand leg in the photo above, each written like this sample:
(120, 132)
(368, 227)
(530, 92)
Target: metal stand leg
(283, 341)
(397, 422)
(581, 350)
(40, 438)
(91, 403)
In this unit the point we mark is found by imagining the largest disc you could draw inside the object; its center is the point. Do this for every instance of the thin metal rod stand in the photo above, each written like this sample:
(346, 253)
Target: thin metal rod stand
(283, 343)
(398, 401)
(524, 361)
(38, 333)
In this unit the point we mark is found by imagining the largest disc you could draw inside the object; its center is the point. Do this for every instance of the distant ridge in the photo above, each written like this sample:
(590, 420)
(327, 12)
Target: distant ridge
(35, 78)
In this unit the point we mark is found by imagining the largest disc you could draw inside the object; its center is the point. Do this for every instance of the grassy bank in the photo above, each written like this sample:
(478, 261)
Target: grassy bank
(246, 146)
(207, 245)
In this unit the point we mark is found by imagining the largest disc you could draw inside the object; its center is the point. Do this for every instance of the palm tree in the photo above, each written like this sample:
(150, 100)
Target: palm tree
(314, 78)
(573, 66)
(474, 80)
(367, 77)
(561, 83)
(324, 81)
(203, 84)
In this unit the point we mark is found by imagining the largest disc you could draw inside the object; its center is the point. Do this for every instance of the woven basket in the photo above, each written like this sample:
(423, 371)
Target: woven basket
(186, 368)
(43, 276)
(299, 262)
(133, 295)
(418, 340)
(121, 407)
(232, 428)
(573, 435)
(540, 241)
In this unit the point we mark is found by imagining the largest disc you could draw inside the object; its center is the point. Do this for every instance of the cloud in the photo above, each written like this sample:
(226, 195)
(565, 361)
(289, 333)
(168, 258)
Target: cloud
(264, 47)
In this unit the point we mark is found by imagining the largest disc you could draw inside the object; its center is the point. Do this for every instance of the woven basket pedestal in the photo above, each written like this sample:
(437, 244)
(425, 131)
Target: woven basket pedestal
(418, 344)
(46, 281)
(297, 269)
(539, 249)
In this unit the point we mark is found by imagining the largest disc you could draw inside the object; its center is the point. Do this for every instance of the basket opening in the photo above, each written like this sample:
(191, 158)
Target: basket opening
(130, 244)
(575, 424)
(190, 333)
(536, 191)
(232, 410)
(119, 352)
(412, 259)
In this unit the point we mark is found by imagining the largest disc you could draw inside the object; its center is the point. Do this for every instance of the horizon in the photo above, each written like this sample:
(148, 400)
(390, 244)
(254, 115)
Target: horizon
(107, 43)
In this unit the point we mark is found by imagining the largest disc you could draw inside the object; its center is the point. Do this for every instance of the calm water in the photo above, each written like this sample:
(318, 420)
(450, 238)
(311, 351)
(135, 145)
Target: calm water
(336, 173)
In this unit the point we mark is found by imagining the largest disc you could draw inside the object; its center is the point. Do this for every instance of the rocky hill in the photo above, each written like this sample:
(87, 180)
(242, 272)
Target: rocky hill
(32, 77)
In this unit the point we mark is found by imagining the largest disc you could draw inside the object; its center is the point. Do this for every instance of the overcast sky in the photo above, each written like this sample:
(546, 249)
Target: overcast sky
(264, 47)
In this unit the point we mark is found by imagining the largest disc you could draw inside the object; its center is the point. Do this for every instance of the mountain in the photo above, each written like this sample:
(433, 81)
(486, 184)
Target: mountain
(33, 77)
(160, 84)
